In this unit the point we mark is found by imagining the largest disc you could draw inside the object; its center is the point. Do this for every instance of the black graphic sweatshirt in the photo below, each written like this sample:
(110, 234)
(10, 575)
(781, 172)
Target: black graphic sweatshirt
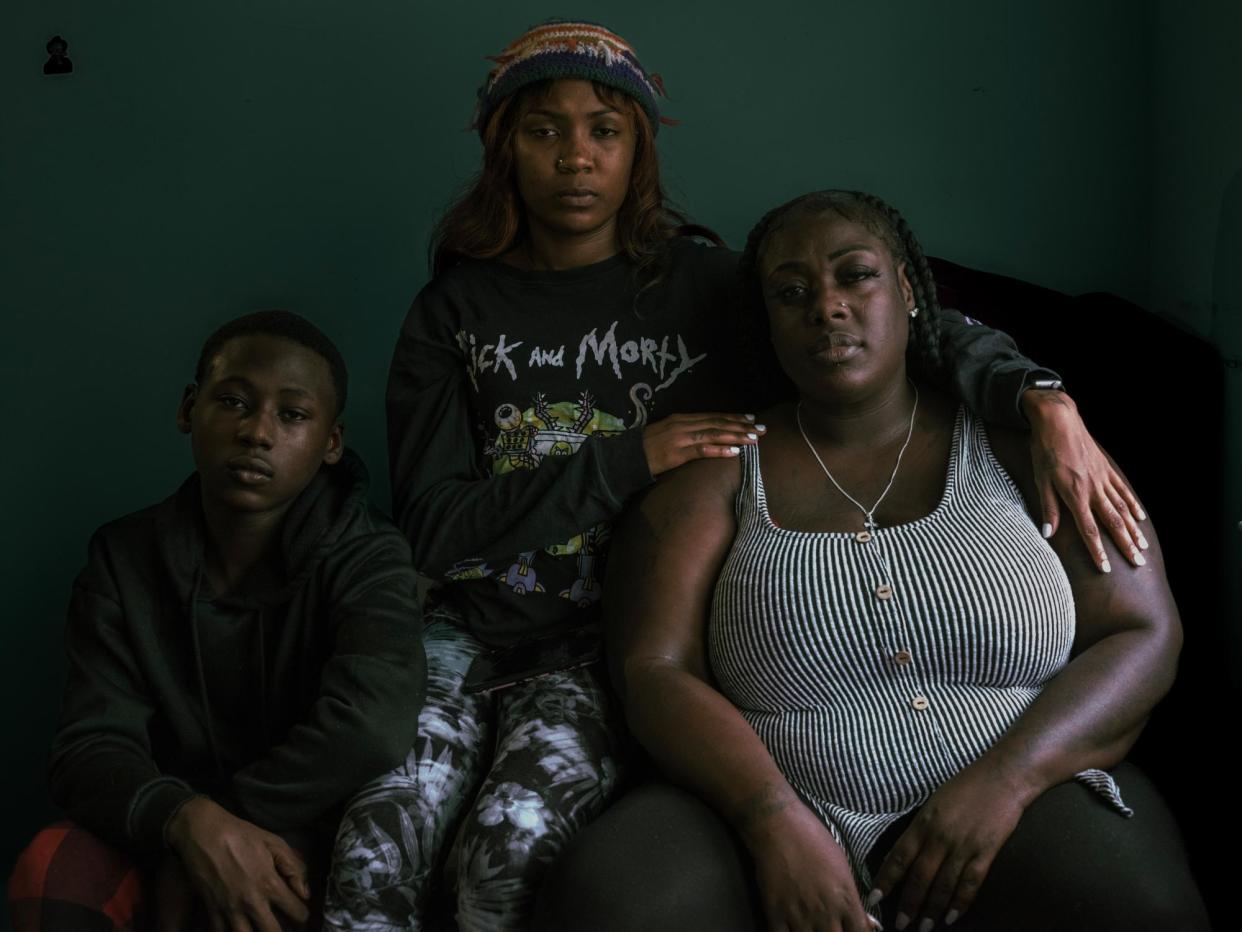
(510, 402)
(277, 704)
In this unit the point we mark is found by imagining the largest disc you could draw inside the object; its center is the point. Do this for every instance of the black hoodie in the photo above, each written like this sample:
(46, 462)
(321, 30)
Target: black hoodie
(278, 703)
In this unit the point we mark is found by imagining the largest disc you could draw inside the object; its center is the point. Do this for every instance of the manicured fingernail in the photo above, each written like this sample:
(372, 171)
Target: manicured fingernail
(1138, 558)
(750, 417)
(1046, 530)
(874, 897)
(761, 427)
(1142, 515)
(1143, 541)
(1106, 567)
(902, 921)
(875, 923)
(734, 451)
(951, 917)
(926, 925)
(752, 436)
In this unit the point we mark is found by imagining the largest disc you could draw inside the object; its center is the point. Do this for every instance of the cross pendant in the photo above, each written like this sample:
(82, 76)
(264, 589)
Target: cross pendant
(869, 523)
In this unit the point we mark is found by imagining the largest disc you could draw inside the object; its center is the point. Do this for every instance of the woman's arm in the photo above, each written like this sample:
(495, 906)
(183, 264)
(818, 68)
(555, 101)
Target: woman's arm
(995, 380)
(444, 498)
(662, 571)
(1124, 657)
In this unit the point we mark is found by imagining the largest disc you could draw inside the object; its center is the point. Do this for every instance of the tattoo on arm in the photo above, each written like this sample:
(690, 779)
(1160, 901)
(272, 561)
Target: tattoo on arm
(768, 801)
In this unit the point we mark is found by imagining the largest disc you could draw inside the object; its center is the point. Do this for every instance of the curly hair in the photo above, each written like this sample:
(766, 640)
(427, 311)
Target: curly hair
(881, 220)
(489, 219)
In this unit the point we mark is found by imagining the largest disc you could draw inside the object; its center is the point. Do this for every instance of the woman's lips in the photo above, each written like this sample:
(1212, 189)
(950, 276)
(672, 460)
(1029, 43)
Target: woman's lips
(836, 347)
(577, 197)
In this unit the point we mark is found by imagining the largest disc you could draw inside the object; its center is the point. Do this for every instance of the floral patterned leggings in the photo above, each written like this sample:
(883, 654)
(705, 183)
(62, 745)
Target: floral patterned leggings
(491, 821)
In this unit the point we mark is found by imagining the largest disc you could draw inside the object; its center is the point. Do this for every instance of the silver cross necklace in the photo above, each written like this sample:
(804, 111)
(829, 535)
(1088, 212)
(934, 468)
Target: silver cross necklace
(868, 513)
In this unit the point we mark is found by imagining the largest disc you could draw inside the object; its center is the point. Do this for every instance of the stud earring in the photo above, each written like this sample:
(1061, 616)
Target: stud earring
(914, 312)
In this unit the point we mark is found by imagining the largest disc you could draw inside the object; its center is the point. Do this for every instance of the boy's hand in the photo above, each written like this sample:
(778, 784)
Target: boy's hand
(239, 870)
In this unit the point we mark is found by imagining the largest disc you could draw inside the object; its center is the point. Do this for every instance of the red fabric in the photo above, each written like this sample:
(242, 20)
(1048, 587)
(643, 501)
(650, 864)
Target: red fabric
(68, 879)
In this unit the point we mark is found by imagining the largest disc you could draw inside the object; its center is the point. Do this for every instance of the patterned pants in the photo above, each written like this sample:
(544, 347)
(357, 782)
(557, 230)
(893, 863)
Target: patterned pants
(491, 820)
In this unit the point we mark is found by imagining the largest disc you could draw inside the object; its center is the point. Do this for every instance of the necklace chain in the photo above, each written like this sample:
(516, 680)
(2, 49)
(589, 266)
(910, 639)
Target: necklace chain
(868, 513)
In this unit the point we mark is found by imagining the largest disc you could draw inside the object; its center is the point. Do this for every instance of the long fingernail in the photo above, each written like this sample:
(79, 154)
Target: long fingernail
(1138, 558)
(951, 917)
(874, 897)
(1046, 530)
(752, 436)
(1106, 567)
(750, 417)
(734, 451)
(1143, 541)
(761, 427)
(1142, 515)
(902, 921)
(926, 925)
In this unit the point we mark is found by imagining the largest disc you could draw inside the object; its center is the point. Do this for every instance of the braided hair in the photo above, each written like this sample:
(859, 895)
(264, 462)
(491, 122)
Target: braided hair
(879, 219)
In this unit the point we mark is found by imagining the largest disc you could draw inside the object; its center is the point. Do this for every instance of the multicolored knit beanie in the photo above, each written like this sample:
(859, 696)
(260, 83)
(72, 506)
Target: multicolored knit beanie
(565, 49)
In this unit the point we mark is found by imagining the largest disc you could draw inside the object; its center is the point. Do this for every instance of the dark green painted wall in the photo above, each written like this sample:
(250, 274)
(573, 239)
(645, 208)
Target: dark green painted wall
(206, 160)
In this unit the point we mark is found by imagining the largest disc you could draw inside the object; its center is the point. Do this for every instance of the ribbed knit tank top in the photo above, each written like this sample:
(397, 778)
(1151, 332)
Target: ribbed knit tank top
(876, 666)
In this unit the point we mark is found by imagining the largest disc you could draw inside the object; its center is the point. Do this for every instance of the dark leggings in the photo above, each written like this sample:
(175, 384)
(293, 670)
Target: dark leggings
(662, 860)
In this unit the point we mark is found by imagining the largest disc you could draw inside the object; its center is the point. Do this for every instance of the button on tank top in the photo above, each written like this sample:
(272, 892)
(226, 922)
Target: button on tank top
(876, 666)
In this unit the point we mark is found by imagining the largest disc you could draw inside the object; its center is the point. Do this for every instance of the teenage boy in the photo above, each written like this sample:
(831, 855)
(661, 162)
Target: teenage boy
(242, 657)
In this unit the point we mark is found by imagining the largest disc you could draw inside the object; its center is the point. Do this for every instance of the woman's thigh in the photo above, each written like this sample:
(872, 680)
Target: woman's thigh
(659, 859)
(555, 768)
(1073, 863)
(394, 831)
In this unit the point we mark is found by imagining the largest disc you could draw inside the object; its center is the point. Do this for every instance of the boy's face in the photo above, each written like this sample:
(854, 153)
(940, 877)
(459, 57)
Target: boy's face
(261, 423)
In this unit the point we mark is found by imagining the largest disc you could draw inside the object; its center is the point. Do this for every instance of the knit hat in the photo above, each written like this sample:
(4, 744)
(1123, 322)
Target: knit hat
(566, 49)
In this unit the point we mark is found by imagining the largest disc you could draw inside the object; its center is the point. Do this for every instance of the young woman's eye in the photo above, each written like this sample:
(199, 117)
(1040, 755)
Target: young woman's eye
(791, 292)
(857, 273)
(542, 132)
(607, 131)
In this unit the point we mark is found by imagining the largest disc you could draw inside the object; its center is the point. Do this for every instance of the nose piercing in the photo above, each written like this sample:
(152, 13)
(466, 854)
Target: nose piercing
(560, 162)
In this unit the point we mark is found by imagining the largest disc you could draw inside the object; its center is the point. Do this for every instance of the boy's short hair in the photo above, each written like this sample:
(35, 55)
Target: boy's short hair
(289, 326)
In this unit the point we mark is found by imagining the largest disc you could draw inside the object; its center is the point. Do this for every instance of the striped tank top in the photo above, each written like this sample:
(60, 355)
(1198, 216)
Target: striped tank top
(875, 667)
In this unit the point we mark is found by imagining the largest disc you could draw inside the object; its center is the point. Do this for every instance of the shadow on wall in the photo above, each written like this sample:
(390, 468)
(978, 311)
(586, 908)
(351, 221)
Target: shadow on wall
(1227, 335)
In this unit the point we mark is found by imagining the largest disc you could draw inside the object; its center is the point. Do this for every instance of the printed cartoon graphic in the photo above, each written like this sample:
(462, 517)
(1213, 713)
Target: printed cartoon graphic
(473, 568)
(526, 437)
(520, 577)
(523, 438)
(586, 589)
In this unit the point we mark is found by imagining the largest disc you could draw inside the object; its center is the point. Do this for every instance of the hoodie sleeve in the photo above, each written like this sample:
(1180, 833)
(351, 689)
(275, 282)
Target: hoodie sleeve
(365, 717)
(988, 371)
(444, 500)
(101, 771)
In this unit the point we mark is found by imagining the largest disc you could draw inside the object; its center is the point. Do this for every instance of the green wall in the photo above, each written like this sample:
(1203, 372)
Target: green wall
(205, 160)
(1196, 252)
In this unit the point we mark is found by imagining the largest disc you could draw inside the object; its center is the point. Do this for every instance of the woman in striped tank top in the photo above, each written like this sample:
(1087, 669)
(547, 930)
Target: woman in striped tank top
(857, 646)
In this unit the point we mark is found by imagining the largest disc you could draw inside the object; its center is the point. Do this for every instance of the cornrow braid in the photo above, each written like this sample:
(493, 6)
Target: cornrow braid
(882, 220)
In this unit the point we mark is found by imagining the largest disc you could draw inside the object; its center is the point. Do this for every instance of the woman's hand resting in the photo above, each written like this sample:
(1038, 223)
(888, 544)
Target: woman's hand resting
(679, 438)
(939, 863)
(804, 877)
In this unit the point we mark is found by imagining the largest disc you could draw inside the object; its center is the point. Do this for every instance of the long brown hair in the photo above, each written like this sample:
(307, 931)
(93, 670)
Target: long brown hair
(489, 219)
